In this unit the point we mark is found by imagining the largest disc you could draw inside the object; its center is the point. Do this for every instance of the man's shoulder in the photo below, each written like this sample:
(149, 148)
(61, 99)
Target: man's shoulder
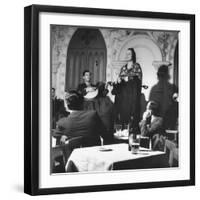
(85, 114)
(88, 112)
(62, 121)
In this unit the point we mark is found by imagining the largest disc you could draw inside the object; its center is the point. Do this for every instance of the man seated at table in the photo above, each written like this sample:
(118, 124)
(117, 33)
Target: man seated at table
(152, 126)
(82, 124)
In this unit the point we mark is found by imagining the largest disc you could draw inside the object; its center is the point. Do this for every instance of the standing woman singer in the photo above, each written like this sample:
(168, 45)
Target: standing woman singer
(127, 91)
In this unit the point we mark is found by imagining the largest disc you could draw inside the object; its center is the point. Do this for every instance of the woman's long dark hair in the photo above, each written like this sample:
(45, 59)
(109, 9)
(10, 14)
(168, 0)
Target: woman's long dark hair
(133, 54)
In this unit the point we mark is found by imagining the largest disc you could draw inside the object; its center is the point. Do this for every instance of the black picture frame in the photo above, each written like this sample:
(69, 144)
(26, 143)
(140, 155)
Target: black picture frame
(31, 98)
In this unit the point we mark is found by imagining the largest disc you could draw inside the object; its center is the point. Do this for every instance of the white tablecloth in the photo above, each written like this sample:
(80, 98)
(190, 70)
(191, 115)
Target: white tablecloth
(94, 159)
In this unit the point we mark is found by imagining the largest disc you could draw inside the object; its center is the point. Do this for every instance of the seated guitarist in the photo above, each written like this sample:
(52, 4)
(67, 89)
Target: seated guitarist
(99, 102)
(85, 88)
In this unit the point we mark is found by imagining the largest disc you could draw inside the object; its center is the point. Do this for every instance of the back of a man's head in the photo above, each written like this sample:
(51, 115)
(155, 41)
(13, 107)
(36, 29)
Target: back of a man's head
(74, 100)
(163, 72)
(154, 107)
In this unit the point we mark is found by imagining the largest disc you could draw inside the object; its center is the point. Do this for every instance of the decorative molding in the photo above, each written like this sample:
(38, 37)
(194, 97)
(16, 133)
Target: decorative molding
(115, 40)
(140, 41)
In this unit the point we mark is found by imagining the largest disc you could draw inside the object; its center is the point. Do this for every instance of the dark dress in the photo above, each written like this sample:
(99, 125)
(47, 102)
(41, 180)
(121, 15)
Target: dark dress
(127, 94)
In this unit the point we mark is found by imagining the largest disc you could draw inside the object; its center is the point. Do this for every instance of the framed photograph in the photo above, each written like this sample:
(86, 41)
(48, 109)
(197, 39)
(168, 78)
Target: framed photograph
(109, 99)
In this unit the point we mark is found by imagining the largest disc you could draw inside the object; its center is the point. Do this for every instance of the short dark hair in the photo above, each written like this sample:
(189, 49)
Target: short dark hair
(163, 72)
(74, 100)
(133, 54)
(53, 89)
(154, 107)
(85, 71)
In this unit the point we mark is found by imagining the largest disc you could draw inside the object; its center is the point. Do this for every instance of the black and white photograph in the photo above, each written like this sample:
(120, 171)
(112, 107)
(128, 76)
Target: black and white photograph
(99, 99)
(114, 99)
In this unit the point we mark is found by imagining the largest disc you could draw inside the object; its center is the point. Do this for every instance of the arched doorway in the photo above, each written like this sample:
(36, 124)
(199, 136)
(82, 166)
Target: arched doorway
(87, 50)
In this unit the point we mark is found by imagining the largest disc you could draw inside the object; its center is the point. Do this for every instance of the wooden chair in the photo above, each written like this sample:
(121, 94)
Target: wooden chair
(65, 150)
(172, 135)
(171, 150)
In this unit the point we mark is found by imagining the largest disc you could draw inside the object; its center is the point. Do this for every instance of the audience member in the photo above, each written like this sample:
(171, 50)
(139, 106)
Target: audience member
(151, 126)
(80, 124)
(163, 91)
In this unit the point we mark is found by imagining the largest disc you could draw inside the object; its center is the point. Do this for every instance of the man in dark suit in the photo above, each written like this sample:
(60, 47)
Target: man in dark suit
(163, 90)
(86, 86)
(85, 125)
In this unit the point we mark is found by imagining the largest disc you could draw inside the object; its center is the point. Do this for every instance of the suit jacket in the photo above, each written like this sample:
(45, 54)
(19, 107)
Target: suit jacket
(162, 94)
(82, 123)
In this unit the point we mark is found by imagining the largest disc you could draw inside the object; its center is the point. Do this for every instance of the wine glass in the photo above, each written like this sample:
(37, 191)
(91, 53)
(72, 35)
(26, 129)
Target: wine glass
(125, 130)
(118, 129)
(134, 142)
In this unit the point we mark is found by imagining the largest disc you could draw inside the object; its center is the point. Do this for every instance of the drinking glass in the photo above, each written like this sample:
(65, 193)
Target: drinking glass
(145, 142)
(118, 129)
(134, 142)
(102, 143)
(125, 130)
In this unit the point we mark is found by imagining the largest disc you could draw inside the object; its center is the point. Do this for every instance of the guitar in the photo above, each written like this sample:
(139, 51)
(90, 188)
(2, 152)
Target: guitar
(94, 91)
(91, 94)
